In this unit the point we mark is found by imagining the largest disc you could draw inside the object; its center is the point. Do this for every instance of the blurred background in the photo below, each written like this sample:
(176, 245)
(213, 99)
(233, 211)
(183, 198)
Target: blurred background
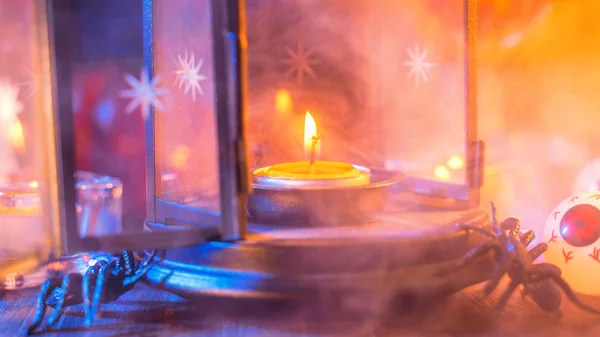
(538, 72)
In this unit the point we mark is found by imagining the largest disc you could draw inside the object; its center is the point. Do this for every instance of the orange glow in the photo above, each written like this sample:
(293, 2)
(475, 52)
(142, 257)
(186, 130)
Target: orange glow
(455, 163)
(442, 173)
(15, 136)
(310, 130)
(33, 184)
(283, 101)
(181, 157)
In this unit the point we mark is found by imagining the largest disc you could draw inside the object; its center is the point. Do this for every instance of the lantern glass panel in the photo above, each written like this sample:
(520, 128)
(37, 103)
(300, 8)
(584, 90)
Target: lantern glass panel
(187, 169)
(385, 81)
(117, 89)
(28, 191)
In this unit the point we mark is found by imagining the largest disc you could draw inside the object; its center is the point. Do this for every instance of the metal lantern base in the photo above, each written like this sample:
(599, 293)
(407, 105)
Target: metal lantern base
(388, 264)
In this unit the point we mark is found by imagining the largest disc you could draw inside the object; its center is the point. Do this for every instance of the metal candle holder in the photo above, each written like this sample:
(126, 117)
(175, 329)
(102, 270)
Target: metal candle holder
(304, 202)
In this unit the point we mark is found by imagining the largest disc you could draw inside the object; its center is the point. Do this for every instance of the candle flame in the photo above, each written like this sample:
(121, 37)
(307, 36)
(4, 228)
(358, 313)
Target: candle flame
(310, 131)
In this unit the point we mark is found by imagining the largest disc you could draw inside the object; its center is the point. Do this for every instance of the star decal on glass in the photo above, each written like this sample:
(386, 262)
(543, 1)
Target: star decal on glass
(144, 93)
(419, 67)
(188, 74)
(31, 84)
(10, 106)
(300, 61)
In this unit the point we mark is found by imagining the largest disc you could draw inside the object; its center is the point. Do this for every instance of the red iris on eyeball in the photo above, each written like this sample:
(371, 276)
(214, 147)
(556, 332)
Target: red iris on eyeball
(580, 225)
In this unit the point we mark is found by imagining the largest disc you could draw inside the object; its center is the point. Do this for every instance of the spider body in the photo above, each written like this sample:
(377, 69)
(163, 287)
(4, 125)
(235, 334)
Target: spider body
(70, 297)
(545, 293)
(103, 282)
(541, 282)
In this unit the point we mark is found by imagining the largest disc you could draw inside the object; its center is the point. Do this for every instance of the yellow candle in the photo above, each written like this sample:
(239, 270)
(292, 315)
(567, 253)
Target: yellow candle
(320, 174)
(319, 170)
(313, 172)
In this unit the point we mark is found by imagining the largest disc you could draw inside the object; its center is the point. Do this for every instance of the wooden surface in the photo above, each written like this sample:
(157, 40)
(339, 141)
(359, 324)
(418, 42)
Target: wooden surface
(148, 312)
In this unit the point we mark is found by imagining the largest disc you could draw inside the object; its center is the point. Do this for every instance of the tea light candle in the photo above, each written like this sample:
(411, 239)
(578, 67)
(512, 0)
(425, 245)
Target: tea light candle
(312, 172)
(21, 222)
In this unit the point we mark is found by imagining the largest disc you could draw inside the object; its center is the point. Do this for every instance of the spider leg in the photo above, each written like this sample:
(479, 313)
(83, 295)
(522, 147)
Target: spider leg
(45, 291)
(58, 309)
(89, 281)
(495, 225)
(471, 256)
(538, 250)
(505, 297)
(145, 268)
(547, 274)
(526, 237)
(128, 261)
(478, 230)
(150, 258)
(103, 274)
(497, 274)
(541, 269)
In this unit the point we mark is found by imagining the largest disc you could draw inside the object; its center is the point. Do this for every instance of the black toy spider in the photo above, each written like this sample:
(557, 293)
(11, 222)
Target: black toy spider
(102, 282)
(540, 281)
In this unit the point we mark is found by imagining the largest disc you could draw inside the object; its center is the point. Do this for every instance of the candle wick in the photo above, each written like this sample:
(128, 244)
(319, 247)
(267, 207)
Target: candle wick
(313, 148)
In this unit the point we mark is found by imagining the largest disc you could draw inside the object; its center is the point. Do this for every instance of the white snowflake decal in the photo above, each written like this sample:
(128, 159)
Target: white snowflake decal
(10, 106)
(144, 93)
(418, 65)
(300, 62)
(189, 75)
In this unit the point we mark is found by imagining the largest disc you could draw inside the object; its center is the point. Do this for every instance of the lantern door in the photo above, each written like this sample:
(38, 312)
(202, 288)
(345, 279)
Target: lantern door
(432, 134)
(446, 159)
(196, 145)
(166, 103)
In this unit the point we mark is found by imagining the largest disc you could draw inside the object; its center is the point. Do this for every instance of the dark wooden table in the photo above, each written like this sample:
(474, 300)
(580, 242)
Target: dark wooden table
(148, 312)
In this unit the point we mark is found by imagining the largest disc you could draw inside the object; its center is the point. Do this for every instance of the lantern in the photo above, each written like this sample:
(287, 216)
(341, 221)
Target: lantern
(49, 206)
(343, 145)
(287, 147)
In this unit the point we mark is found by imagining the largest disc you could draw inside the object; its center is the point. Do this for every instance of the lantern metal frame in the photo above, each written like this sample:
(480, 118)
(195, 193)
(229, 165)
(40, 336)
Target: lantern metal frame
(50, 193)
(194, 225)
(229, 54)
(453, 195)
(229, 43)
(300, 264)
(46, 153)
(61, 151)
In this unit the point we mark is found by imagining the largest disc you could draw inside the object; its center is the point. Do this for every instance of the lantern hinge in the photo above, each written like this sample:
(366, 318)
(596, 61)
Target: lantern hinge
(476, 164)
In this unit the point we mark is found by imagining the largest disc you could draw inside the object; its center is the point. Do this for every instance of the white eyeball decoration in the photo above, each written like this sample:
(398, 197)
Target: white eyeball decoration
(572, 232)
